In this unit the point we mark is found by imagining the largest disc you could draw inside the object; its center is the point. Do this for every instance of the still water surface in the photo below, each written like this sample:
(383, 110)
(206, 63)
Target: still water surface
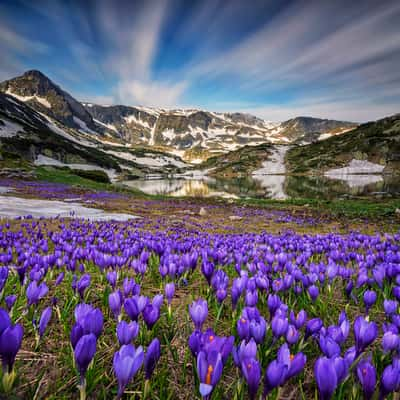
(274, 186)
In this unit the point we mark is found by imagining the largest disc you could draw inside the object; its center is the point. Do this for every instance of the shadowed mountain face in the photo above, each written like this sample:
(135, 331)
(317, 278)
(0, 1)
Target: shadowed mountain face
(192, 134)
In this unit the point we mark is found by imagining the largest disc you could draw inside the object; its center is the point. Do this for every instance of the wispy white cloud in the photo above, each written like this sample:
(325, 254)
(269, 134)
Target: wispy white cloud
(332, 58)
(134, 43)
(150, 92)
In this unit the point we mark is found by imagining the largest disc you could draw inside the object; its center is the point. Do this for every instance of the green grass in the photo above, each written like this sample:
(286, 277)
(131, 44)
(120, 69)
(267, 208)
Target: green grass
(346, 207)
(62, 175)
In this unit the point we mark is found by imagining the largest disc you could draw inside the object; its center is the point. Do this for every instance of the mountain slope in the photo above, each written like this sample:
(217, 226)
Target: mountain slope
(194, 135)
(376, 142)
(197, 135)
(41, 140)
(45, 96)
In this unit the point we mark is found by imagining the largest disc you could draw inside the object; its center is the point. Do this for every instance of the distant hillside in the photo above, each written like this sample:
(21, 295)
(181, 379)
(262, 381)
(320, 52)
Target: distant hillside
(377, 142)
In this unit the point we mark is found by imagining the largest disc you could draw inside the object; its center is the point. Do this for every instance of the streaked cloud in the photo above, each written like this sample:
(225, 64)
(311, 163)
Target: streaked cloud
(323, 58)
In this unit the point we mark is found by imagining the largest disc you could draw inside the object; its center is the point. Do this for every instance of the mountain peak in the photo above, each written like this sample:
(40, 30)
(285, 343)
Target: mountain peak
(46, 96)
(35, 73)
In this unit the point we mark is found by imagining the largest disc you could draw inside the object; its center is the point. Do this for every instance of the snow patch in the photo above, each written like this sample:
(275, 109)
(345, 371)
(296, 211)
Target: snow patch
(109, 126)
(149, 159)
(168, 134)
(41, 100)
(83, 125)
(44, 160)
(132, 118)
(275, 164)
(10, 129)
(12, 207)
(356, 167)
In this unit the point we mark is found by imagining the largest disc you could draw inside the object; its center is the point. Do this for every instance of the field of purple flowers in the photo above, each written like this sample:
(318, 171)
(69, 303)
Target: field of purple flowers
(159, 309)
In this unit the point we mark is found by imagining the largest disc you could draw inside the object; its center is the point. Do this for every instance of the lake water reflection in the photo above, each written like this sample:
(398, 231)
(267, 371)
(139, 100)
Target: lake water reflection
(273, 186)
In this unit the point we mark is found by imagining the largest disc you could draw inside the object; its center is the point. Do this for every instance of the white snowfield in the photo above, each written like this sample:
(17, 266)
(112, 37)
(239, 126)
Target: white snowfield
(10, 129)
(12, 207)
(150, 160)
(356, 167)
(275, 164)
(109, 126)
(358, 173)
(44, 160)
(83, 126)
(132, 119)
(41, 100)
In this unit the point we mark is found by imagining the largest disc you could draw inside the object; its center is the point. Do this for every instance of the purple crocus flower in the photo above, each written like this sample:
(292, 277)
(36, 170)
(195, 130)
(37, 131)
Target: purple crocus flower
(390, 306)
(273, 302)
(151, 357)
(44, 320)
(112, 278)
(313, 326)
(93, 322)
(114, 301)
(328, 346)
(279, 326)
(390, 380)
(364, 333)
(35, 292)
(313, 291)
(274, 376)
(251, 370)
(131, 307)
(3, 277)
(369, 299)
(194, 342)
(126, 363)
(367, 376)
(151, 314)
(169, 291)
(126, 332)
(326, 377)
(158, 300)
(84, 353)
(258, 328)
(295, 362)
(59, 278)
(244, 351)
(10, 301)
(198, 311)
(209, 370)
(10, 343)
(243, 328)
(390, 341)
(76, 334)
(83, 284)
(292, 335)
(396, 292)
(299, 320)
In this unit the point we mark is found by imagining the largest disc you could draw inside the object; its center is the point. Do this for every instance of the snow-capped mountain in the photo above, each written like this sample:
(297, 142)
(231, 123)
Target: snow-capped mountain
(191, 134)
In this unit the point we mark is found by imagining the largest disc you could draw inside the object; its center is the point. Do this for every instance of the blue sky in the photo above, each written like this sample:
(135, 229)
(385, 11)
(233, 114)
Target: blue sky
(333, 59)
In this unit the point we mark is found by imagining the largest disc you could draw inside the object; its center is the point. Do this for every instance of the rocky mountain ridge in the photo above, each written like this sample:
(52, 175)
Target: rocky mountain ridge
(194, 135)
